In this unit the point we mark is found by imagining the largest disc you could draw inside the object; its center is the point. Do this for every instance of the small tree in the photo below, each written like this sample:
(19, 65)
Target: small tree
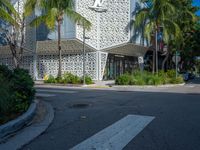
(14, 29)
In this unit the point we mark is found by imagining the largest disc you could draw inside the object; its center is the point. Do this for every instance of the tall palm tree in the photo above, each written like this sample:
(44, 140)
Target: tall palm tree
(157, 13)
(54, 11)
(8, 12)
(185, 19)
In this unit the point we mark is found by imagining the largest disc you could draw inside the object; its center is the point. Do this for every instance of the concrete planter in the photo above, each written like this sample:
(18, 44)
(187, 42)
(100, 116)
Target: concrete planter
(19, 122)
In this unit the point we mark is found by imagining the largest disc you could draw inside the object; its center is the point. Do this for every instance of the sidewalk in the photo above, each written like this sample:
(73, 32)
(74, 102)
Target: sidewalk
(42, 120)
(109, 85)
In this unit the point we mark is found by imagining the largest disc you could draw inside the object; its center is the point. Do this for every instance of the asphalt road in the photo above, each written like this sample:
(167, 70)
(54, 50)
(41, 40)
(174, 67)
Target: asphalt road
(176, 125)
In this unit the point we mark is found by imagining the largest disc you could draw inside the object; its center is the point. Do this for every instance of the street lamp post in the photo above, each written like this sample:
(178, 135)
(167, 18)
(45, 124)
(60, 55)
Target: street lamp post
(84, 38)
(156, 52)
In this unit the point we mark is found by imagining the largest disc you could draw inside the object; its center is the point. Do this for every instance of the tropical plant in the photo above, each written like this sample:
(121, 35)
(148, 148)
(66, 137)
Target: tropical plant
(156, 14)
(146, 78)
(54, 12)
(16, 92)
(186, 19)
(7, 10)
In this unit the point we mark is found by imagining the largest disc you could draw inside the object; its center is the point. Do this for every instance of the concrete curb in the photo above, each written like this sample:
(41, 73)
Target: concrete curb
(30, 133)
(147, 86)
(18, 123)
(110, 87)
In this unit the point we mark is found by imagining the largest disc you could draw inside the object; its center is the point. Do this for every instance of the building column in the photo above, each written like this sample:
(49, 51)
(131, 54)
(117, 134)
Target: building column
(35, 71)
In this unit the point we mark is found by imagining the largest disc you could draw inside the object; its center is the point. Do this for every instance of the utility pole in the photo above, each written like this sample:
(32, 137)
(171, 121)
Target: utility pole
(156, 52)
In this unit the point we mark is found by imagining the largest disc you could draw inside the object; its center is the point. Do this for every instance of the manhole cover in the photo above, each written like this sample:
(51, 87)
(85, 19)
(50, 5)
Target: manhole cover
(80, 105)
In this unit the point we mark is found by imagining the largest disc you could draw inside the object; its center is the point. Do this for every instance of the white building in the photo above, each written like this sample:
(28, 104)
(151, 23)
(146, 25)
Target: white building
(113, 48)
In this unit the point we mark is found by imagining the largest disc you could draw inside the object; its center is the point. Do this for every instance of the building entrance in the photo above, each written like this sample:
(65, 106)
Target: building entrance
(117, 65)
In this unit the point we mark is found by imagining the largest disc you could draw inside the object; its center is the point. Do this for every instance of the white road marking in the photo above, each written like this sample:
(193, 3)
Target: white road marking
(190, 86)
(44, 95)
(116, 136)
(56, 91)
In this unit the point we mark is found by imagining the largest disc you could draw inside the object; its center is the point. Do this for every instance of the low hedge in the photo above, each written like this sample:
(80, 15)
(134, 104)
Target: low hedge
(147, 78)
(16, 92)
(67, 78)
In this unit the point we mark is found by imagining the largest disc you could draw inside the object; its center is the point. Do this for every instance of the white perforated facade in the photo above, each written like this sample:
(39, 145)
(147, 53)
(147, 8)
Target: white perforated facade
(110, 27)
(110, 32)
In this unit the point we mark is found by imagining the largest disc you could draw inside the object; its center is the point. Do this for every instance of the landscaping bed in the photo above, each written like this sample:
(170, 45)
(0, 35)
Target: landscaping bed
(147, 78)
(16, 93)
(67, 78)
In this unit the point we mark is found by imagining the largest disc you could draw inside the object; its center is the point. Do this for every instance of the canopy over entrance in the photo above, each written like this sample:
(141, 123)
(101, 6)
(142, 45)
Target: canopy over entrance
(128, 49)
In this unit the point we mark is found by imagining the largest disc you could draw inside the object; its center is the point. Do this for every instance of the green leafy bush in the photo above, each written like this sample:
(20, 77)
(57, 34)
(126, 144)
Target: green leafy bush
(68, 78)
(16, 91)
(75, 80)
(23, 88)
(88, 80)
(50, 79)
(177, 80)
(171, 73)
(123, 79)
(5, 72)
(147, 78)
(6, 96)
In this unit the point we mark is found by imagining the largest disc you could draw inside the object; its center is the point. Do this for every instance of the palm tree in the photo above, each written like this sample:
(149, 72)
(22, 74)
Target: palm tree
(8, 12)
(54, 11)
(154, 14)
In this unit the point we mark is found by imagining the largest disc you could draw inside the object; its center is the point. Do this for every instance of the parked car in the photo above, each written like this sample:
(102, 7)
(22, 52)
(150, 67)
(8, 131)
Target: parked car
(188, 76)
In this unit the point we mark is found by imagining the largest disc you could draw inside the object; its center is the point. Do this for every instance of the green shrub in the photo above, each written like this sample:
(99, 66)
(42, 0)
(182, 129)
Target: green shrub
(177, 80)
(59, 80)
(132, 80)
(139, 81)
(88, 80)
(6, 96)
(23, 88)
(68, 78)
(150, 80)
(16, 91)
(50, 79)
(123, 79)
(158, 80)
(75, 79)
(147, 78)
(171, 73)
(5, 71)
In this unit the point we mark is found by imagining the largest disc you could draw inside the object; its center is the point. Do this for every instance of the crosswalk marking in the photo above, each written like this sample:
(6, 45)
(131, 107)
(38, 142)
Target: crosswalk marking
(117, 135)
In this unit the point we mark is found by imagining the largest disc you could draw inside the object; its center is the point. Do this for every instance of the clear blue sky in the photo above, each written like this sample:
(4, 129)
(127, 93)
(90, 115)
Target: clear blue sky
(197, 3)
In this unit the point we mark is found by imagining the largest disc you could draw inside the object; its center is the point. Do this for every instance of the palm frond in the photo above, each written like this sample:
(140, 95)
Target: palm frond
(29, 7)
(77, 18)
(7, 17)
(140, 17)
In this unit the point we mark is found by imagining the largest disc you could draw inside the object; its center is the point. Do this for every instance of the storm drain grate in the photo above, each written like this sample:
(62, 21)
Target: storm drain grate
(80, 105)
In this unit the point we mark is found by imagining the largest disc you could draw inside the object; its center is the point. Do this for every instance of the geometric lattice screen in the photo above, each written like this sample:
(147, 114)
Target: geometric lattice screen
(27, 63)
(73, 63)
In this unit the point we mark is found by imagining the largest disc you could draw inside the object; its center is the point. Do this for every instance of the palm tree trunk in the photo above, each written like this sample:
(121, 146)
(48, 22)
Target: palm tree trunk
(165, 60)
(153, 62)
(59, 49)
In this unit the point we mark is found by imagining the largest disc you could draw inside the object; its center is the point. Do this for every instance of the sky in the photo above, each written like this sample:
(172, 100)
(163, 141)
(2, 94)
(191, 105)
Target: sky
(197, 3)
